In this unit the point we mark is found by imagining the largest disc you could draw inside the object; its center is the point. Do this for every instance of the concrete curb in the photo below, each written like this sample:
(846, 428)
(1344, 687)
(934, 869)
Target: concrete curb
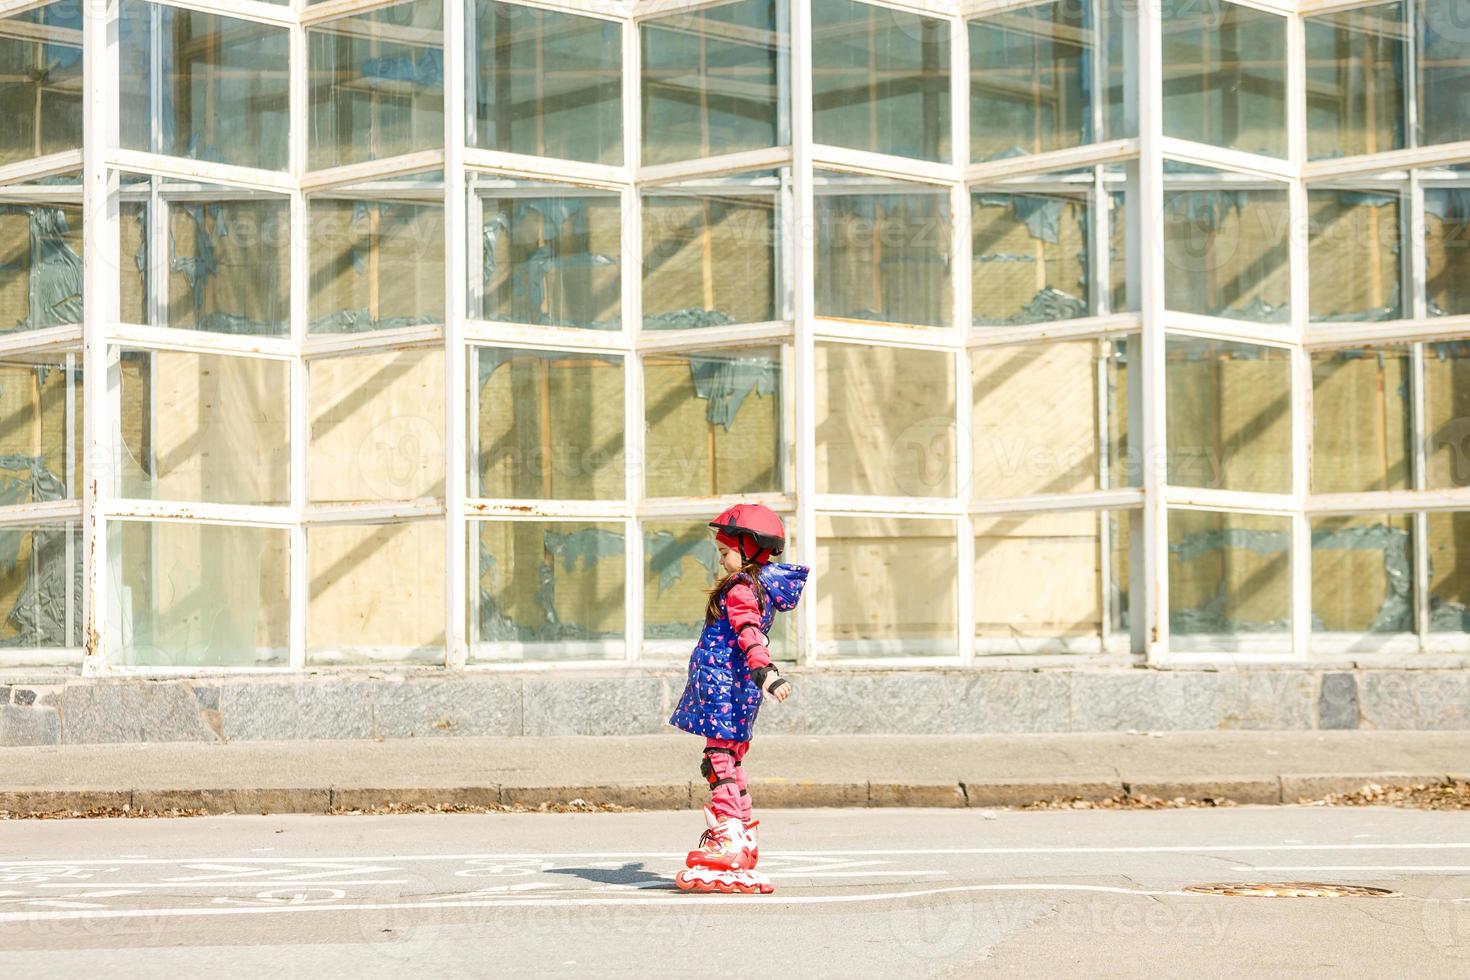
(769, 793)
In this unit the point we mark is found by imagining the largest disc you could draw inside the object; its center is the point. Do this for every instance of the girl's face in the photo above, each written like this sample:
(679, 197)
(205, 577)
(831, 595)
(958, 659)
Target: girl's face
(729, 558)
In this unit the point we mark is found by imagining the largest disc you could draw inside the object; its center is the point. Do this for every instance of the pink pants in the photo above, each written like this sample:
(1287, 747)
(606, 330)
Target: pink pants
(727, 798)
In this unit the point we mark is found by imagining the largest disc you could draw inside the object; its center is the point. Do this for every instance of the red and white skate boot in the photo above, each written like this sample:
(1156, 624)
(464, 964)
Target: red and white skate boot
(724, 860)
(726, 845)
(724, 882)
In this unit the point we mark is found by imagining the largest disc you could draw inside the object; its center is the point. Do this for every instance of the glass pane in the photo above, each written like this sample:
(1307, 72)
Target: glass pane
(377, 594)
(1229, 415)
(41, 586)
(1039, 413)
(1039, 582)
(377, 426)
(41, 248)
(548, 590)
(197, 595)
(1362, 420)
(377, 256)
(885, 421)
(1031, 80)
(713, 81)
(207, 427)
(222, 91)
(1449, 573)
(880, 79)
(714, 423)
(709, 253)
(550, 425)
(883, 251)
(1355, 254)
(228, 256)
(1444, 71)
(1031, 252)
(1225, 75)
(1355, 81)
(376, 84)
(548, 254)
(1118, 252)
(1229, 581)
(906, 606)
(1226, 248)
(41, 81)
(546, 83)
(1363, 574)
(680, 566)
(1447, 414)
(1447, 240)
(41, 455)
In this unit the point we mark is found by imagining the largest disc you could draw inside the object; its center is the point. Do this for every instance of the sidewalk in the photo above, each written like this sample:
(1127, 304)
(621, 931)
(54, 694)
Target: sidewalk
(661, 771)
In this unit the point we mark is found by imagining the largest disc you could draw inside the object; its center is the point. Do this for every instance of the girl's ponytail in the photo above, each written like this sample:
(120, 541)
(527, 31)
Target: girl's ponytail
(750, 570)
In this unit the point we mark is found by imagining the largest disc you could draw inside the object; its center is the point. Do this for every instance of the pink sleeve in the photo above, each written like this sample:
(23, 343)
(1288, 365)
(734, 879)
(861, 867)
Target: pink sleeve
(744, 614)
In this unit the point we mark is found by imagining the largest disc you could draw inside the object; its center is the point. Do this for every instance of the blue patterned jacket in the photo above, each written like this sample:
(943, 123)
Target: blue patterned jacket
(720, 699)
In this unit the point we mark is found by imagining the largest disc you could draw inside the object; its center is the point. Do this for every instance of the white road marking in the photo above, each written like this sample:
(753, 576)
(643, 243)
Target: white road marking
(704, 899)
(1446, 868)
(672, 855)
(253, 883)
(793, 873)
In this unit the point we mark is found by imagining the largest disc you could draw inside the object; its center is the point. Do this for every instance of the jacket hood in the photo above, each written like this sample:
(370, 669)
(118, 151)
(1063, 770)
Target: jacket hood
(783, 584)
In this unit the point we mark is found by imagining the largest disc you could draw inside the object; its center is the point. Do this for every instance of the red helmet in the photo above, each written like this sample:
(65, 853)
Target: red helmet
(756, 522)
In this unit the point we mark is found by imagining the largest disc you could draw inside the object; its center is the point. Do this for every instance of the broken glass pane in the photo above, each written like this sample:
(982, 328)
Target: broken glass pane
(41, 248)
(1229, 581)
(1031, 248)
(1363, 574)
(547, 590)
(714, 423)
(547, 253)
(377, 255)
(1226, 248)
(41, 586)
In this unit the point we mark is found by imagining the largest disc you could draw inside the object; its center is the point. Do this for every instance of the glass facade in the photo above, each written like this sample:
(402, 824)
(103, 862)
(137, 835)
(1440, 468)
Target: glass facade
(431, 332)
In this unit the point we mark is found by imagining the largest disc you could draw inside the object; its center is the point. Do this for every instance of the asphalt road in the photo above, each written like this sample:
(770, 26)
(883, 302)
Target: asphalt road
(930, 893)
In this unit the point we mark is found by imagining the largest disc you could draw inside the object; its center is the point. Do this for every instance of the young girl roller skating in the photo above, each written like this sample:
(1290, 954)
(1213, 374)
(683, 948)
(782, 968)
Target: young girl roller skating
(730, 672)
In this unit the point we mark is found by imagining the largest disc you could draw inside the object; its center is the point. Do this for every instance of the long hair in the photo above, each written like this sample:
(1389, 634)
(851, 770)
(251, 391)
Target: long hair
(751, 569)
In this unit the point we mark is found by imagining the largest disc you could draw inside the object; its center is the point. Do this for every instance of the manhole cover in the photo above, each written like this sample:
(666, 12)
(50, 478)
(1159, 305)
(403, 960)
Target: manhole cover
(1290, 889)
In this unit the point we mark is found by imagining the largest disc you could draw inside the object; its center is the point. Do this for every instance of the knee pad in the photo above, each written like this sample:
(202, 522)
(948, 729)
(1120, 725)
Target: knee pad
(707, 768)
